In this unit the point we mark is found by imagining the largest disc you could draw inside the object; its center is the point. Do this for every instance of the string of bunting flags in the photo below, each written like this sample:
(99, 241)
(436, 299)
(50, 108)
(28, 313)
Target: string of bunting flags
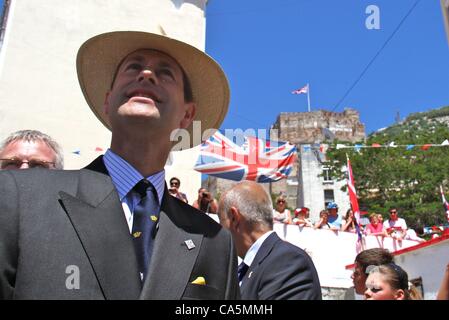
(324, 147)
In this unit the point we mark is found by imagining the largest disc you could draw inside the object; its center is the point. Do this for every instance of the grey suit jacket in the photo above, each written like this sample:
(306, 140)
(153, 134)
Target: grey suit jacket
(281, 271)
(63, 235)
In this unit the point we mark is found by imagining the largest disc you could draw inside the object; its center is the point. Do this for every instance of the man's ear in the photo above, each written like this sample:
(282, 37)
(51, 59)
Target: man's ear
(106, 102)
(234, 217)
(189, 115)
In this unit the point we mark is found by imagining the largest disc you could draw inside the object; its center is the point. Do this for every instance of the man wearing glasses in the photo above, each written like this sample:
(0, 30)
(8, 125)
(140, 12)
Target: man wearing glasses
(27, 149)
(395, 226)
(174, 189)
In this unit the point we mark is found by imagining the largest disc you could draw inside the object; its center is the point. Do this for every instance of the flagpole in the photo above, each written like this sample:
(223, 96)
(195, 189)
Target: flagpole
(308, 96)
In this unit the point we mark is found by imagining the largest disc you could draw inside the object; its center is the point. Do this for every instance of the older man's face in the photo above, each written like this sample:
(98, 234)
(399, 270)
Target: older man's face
(148, 95)
(22, 154)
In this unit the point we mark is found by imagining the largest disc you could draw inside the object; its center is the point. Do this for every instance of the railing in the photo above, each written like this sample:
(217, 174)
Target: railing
(331, 251)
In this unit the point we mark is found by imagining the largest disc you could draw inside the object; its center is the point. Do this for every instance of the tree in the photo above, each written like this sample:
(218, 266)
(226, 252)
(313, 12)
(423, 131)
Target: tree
(395, 177)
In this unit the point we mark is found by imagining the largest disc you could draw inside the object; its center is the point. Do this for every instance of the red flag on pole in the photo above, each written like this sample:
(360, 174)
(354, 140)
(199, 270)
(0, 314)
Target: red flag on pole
(353, 197)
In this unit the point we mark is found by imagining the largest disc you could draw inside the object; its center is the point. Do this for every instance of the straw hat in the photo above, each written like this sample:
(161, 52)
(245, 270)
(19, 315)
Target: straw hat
(99, 57)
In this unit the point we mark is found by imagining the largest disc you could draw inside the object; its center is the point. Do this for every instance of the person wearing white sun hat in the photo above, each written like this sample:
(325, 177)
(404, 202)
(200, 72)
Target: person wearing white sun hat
(111, 229)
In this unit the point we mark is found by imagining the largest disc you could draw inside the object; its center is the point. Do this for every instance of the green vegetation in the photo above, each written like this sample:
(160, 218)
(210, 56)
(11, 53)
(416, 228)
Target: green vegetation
(395, 177)
(442, 112)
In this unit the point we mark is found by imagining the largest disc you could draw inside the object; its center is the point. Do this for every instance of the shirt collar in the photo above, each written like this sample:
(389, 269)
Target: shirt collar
(251, 254)
(125, 177)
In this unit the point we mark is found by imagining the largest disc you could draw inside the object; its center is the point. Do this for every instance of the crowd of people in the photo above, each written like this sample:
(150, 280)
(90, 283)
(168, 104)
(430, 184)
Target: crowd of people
(329, 218)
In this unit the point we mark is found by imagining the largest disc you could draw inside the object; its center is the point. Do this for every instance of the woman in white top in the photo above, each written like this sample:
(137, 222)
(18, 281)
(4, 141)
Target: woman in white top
(280, 213)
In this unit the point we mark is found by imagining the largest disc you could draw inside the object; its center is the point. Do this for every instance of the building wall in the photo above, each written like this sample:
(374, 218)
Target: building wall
(307, 127)
(38, 83)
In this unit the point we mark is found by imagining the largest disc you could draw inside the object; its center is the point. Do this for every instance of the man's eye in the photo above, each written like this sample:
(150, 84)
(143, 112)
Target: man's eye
(133, 66)
(166, 73)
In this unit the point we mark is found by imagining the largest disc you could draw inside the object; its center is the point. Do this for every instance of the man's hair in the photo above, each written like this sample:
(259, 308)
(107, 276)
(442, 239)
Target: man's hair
(255, 212)
(373, 257)
(174, 178)
(33, 136)
(188, 94)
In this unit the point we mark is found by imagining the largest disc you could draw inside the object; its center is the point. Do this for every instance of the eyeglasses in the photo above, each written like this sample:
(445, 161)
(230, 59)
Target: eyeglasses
(15, 163)
(281, 201)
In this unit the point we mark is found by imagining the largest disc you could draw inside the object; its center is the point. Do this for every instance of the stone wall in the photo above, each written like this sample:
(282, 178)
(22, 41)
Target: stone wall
(307, 127)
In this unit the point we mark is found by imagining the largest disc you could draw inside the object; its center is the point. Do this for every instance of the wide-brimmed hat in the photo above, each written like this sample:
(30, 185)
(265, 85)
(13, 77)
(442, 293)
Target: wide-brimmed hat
(99, 57)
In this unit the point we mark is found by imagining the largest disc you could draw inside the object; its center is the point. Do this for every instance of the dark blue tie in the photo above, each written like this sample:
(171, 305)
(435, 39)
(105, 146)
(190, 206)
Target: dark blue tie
(145, 219)
(241, 270)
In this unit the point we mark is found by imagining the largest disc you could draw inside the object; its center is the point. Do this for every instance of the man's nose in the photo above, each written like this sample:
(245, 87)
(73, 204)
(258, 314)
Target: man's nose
(24, 165)
(147, 74)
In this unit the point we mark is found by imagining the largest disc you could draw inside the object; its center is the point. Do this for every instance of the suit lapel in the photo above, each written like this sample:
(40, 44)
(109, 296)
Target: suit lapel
(172, 261)
(261, 254)
(97, 217)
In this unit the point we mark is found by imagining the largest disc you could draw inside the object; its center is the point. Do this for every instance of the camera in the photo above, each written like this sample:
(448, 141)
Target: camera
(205, 195)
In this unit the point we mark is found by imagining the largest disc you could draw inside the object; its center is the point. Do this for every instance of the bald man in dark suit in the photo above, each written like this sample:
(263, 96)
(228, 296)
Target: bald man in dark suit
(272, 269)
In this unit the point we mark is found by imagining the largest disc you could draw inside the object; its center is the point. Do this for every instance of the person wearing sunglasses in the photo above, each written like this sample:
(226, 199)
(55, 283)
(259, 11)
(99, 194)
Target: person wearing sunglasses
(280, 213)
(396, 227)
(28, 149)
(174, 189)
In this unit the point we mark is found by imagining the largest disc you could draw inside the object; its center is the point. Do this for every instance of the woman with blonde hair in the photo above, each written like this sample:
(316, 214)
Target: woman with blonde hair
(375, 227)
(280, 213)
(390, 282)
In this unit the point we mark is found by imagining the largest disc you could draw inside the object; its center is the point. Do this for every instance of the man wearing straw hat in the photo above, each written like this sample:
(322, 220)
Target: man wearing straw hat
(111, 230)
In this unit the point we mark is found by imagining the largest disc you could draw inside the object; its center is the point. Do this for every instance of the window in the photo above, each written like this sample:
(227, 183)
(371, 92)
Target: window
(327, 175)
(328, 196)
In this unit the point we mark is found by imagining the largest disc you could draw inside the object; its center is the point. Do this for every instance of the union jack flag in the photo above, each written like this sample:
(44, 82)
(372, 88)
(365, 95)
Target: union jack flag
(304, 89)
(250, 158)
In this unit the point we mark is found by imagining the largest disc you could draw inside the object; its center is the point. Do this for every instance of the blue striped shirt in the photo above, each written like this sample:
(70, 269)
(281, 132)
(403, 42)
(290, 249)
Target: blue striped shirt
(125, 177)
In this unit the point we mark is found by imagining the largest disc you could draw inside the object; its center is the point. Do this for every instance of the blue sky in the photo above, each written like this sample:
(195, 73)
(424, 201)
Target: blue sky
(269, 48)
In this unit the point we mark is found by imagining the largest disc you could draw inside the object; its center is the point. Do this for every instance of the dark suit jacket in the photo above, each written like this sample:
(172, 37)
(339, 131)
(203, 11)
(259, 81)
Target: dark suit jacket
(280, 271)
(55, 223)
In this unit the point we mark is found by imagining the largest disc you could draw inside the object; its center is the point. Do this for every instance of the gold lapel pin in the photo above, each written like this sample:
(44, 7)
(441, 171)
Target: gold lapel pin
(137, 234)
